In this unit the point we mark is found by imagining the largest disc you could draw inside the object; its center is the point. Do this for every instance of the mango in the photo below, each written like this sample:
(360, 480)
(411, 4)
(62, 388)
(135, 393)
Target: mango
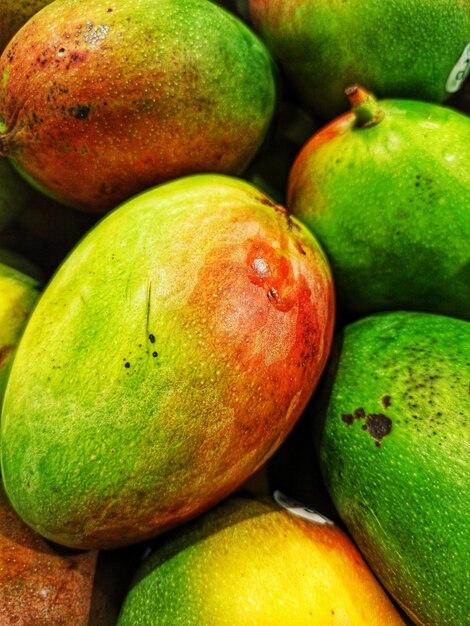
(100, 100)
(386, 190)
(39, 583)
(18, 295)
(14, 14)
(252, 562)
(418, 49)
(167, 359)
(392, 444)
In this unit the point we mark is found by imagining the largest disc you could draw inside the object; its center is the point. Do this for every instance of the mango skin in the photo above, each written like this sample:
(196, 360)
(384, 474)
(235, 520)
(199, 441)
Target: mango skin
(248, 562)
(39, 583)
(390, 205)
(14, 14)
(167, 359)
(395, 48)
(100, 100)
(395, 460)
(19, 293)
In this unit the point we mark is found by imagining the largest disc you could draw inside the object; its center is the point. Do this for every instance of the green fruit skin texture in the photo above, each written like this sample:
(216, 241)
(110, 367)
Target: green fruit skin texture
(41, 584)
(166, 360)
(395, 458)
(249, 562)
(390, 204)
(19, 293)
(102, 100)
(396, 48)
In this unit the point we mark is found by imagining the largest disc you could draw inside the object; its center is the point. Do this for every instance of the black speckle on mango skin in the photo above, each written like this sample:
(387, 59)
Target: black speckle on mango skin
(404, 485)
(378, 426)
(359, 413)
(386, 401)
(80, 112)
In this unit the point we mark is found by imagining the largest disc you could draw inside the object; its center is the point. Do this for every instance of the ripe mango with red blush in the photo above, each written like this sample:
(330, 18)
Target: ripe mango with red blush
(41, 583)
(167, 359)
(100, 100)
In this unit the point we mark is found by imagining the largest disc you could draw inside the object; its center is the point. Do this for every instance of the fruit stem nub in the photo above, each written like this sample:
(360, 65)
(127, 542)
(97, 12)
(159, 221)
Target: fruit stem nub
(364, 106)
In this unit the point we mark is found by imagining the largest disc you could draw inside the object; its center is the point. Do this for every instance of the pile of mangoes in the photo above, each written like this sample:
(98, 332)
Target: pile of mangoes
(234, 312)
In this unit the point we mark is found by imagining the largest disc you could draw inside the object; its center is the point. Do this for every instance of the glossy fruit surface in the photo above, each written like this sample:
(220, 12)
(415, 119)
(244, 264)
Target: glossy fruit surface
(101, 100)
(396, 48)
(395, 457)
(18, 295)
(252, 563)
(389, 200)
(168, 358)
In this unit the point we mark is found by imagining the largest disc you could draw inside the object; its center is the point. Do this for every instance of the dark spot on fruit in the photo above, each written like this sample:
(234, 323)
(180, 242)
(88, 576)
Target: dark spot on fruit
(4, 352)
(359, 413)
(386, 401)
(347, 418)
(299, 247)
(152, 338)
(154, 354)
(78, 56)
(109, 11)
(80, 112)
(272, 294)
(127, 364)
(378, 425)
(266, 201)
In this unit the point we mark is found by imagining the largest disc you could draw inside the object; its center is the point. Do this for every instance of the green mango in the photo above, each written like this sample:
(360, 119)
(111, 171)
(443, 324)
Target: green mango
(256, 562)
(386, 189)
(14, 14)
(393, 445)
(167, 359)
(124, 95)
(18, 295)
(417, 49)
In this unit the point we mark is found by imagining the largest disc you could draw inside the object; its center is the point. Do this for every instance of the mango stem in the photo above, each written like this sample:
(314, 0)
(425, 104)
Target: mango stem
(364, 106)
